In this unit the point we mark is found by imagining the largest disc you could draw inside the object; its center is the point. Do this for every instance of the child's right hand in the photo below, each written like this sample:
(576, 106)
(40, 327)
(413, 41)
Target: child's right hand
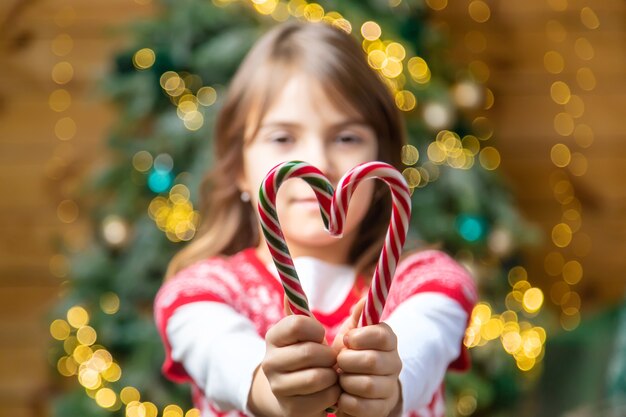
(298, 365)
(297, 376)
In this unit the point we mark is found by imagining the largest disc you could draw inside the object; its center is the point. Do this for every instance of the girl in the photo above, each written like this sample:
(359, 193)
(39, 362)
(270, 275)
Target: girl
(306, 92)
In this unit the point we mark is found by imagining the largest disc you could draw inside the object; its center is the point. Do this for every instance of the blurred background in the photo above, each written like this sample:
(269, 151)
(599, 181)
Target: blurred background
(515, 112)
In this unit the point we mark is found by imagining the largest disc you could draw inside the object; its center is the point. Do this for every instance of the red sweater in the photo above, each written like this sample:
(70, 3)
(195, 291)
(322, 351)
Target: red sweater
(242, 282)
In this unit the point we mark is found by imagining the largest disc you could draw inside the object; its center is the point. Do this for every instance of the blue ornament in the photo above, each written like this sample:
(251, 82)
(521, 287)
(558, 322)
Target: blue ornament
(471, 228)
(160, 181)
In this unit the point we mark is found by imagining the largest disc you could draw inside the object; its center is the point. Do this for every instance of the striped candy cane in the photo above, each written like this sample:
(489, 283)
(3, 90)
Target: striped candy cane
(334, 208)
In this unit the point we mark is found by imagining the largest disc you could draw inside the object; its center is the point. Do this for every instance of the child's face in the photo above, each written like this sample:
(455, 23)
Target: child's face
(303, 124)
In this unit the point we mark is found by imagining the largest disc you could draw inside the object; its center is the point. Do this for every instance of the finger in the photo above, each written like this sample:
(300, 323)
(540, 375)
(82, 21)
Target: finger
(368, 386)
(286, 307)
(295, 329)
(369, 362)
(376, 337)
(303, 382)
(312, 404)
(355, 406)
(300, 356)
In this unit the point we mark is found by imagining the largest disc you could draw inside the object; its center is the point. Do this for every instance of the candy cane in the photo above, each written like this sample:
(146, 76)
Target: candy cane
(334, 208)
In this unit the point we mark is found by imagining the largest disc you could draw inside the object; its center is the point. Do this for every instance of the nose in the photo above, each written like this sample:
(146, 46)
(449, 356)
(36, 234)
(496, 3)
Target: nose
(318, 155)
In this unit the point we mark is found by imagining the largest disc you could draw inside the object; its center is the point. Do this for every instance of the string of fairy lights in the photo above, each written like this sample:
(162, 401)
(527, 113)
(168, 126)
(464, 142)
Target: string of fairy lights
(174, 214)
(512, 327)
(564, 262)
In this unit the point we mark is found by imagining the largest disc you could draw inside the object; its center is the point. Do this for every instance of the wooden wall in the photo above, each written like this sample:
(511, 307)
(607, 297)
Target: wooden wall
(38, 171)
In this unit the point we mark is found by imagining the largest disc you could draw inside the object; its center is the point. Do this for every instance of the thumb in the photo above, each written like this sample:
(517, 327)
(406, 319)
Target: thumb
(352, 322)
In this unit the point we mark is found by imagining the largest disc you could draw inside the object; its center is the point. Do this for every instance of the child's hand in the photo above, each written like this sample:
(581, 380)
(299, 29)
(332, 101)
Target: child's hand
(299, 367)
(369, 369)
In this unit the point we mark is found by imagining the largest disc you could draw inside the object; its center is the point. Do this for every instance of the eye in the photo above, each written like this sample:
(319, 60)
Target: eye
(348, 138)
(281, 139)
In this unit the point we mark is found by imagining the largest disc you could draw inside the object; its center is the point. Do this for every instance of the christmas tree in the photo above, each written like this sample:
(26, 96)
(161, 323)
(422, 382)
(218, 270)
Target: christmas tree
(168, 88)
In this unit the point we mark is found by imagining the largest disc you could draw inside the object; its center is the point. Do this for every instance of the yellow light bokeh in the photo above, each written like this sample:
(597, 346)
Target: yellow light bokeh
(511, 341)
(67, 211)
(479, 11)
(564, 124)
(572, 272)
(584, 49)
(59, 100)
(193, 120)
(578, 165)
(377, 59)
(560, 155)
(86, 335)
(575, 106)
(437, 4)
(371, 30)
(418, 70)
(62, 72)
(492, 329)
(583, 135)
(105, 397)
(395, 50)
(151, 410)
(392, 67)
(405, 100)
(65, 128)
(144, 58)
(129, 394)
(533, 300)
(589, 18)
(471, 143)
(489, 158)
(135, 409)
(516, 274)
(142, 161)
(207, 96)
(409, 155)
(194, 412)
(60, 329)
(586, 79)
(561, 235)
(313, 12)
(553, 62)
(89, 378)
(482, 128)
(62, 44)
(172, 411)
(77, 317)
(67, 366)
(82, 354)
(412, 177)
(113, 373)
(481, 313)
(70, 344)
(560, 92)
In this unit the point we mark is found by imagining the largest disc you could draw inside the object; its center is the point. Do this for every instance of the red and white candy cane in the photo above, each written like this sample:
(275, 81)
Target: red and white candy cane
(334, 208)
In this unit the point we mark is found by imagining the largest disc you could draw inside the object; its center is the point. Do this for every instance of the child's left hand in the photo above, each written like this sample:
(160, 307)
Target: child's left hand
(370, 368)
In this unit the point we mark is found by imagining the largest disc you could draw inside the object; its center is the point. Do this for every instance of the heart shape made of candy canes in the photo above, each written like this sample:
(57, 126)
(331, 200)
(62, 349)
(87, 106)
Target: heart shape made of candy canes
(333, 208)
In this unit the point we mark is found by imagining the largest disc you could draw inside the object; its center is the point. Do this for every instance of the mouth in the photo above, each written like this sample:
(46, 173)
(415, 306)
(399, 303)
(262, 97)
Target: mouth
(309, 202)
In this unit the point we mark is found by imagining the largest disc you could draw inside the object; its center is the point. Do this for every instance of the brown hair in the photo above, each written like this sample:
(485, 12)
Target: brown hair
(336, 60)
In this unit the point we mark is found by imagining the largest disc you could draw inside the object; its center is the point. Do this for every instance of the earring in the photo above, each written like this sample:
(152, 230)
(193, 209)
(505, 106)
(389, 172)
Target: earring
(245, 196)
